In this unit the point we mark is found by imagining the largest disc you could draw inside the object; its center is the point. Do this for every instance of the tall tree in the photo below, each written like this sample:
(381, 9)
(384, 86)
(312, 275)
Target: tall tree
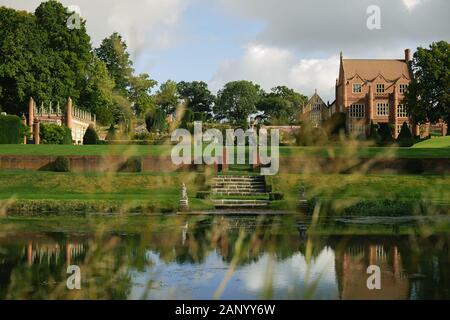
(237, 101)
(40, 56)
(197, 96)
(428, 95)
(167, 97)
(140, 94)
(282, 104)
(98, 92)
(113, 52)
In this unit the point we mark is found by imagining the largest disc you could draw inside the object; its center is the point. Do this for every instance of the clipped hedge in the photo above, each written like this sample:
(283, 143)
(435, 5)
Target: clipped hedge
(55, 134)
(11, 131)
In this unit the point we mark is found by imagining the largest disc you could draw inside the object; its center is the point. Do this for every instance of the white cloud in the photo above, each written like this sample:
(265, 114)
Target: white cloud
(144, 24)
(271, 66)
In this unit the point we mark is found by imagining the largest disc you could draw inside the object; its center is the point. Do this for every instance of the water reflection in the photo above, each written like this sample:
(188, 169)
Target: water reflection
(188, 258)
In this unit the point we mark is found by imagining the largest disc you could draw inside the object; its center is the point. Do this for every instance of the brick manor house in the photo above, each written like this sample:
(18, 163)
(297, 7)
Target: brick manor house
(372, 90)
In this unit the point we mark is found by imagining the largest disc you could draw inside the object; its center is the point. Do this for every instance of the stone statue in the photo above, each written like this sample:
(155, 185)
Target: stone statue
(302, 192)
(184, 195)
(184, 201)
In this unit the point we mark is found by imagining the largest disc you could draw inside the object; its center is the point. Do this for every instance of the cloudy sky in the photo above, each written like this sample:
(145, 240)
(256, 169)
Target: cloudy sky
(271, 42)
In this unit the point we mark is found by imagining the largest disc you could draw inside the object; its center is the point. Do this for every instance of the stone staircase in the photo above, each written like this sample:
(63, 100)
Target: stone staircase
(243, 188)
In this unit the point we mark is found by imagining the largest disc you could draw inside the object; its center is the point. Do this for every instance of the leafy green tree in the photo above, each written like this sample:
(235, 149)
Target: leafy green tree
(428, 95)
(289, 109)
(156, 121)
(237, 101)
(198, 97)
(90, 136)
(113, 52)
(405, 138)
(98, 92)
(140, 94)
(277, 108)
(167, 97)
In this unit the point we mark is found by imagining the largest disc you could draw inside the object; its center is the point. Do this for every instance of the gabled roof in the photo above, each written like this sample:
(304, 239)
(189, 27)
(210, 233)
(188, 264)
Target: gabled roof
(369, 69)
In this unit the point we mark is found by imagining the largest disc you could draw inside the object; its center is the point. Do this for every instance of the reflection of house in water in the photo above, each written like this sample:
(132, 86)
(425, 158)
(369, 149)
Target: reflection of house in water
(52, 252)
(351, 267)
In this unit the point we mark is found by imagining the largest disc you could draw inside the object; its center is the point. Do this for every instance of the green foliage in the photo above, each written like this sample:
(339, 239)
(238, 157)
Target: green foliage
(167, 97)
(276, 196)
(385, 132)
(61, 164)
(310, 136)
(237, 101)
(203, 194)
(428, 96)
(11, 130)
(373, 134)
(188, 117)
(132, 164)
(414, 166)
(55, 134)
(111, 135)
(197, 96)
(113, 52)
(336, 124)
(156, 121)
(405, 138)
(90, 136)
(140, 94)
(281, 105)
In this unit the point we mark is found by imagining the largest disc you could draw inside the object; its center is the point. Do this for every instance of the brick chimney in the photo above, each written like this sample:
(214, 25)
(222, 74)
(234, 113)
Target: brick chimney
(407, 55)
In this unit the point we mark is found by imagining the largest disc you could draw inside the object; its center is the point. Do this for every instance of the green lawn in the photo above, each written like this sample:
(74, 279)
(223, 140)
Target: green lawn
(434, 142)
(162, 191)
(430, 150)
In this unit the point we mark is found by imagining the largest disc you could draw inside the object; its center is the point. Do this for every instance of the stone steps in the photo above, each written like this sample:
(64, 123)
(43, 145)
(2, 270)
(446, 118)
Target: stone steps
(239, 203)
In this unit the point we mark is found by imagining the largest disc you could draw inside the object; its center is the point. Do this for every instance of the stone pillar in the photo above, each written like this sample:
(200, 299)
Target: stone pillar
(69, 113)
(444, 129)
(37, 131)
(24, 121)
(224, 159)
(31, 105)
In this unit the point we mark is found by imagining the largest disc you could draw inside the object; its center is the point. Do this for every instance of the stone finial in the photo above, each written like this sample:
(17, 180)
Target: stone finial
(68, 117)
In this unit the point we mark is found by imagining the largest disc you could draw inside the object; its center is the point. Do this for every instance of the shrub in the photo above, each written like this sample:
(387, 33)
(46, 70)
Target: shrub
(132, 164)
(373, 134)
(11, 131)
(156, 121)
(405, 138)
(111, 135)
(414, 166)
(90, 136)
(385, 132)
(335, 124)
(55, 134)
(275, 196)
(202, 195)
(61, 164)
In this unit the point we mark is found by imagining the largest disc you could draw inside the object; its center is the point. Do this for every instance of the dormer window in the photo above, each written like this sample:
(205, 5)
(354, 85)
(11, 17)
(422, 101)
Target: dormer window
(357, 88)
(380, 88)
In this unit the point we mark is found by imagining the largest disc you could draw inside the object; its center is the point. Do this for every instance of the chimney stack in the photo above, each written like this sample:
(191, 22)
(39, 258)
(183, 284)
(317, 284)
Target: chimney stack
(407, 55)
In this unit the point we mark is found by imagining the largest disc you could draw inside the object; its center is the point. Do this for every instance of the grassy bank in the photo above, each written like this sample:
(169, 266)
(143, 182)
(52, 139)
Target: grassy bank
(165, 150)
(364, 193)
(39, 192)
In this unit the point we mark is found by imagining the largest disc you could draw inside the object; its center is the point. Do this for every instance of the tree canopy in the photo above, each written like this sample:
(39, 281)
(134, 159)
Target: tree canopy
(237, 101)
(428, 95)
(197, 96)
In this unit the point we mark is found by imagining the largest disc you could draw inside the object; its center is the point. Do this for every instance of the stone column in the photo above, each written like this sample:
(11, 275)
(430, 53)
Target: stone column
(69, 113)
(37, 131)
(31, 114)
(224, 159)
(24, 121)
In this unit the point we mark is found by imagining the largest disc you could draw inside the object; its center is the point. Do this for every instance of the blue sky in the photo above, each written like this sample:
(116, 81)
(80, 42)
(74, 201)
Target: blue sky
(270, 42)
